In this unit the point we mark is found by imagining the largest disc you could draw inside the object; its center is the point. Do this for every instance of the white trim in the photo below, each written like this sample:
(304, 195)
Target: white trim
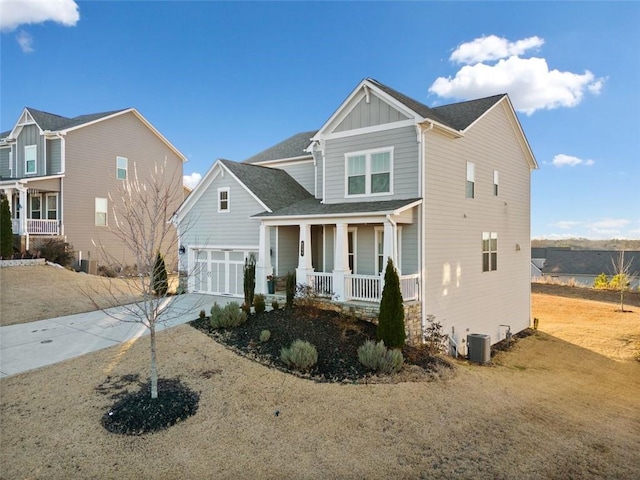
(46, 205)
(106, 212)
(35, 160)
(228, 200)
(33, 196)
(354, 231)
(367, 187)
(26, 181)
(372, 129)
(126, 167)
(288, 161)
(378, 232)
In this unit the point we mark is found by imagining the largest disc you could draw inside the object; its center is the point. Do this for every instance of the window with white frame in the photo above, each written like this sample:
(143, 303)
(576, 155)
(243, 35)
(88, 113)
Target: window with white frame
(35, 207)
(369, 172)
(471, 180)
(101, 212)
(30, 155)
(52, 206)
(380, 265)
(495, 183)
(489, 251)
(223, 199)
(122, 164)
(352, 248)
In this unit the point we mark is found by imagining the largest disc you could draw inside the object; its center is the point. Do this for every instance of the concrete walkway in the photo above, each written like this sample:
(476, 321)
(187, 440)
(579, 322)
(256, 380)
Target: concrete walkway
(32, 345)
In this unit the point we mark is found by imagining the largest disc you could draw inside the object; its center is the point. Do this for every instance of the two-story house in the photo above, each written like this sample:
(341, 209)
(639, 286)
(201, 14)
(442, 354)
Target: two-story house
(63, 176)
(444, 192)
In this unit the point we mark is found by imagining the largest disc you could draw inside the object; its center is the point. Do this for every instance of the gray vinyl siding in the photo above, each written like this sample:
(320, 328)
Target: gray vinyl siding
(329, 243)
(54, 156)
(405, 163)
(409, 246)
(5, 168)
(366, 251)
(288, 249)
(318, 173)
(303, 173)
(205, 226)
(458, 293)
(30, 135)
(376, 112)
(90, 167)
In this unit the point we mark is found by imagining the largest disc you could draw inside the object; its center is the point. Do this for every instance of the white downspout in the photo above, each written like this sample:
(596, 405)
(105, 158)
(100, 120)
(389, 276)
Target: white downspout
(422, 221)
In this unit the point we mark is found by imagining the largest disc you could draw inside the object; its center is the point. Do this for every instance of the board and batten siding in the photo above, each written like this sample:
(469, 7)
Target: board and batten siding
(54, 156)
(460, 295)
(405, 163)
(5, 166)
(367, 114)
(91, 173)
(30, 135)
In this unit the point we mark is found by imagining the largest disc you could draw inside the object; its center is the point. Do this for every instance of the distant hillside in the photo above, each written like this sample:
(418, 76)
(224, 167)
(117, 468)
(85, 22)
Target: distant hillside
(585, 244)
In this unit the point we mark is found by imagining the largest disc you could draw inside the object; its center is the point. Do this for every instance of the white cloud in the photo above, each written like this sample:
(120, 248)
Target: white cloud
(564, 224)
(492, 48)
(562, 160)
(530, 83)
(25, 41)
(14, 13)
(610, 223)
(192, 180)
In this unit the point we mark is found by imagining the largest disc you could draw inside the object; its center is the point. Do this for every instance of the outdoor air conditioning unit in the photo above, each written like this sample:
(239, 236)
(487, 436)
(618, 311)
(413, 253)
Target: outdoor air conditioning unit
(479, 347)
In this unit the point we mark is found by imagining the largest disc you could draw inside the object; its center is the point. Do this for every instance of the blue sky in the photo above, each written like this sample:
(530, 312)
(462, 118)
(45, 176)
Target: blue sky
(229, 79)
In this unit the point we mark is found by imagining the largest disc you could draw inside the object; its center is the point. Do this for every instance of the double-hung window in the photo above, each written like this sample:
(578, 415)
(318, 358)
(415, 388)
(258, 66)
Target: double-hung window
(495, 183)
(369, 173)
(121, 168)
(489, 251)
(471, 180)
(30, 155)
(101, 212)
(52, 206)
(223, 199)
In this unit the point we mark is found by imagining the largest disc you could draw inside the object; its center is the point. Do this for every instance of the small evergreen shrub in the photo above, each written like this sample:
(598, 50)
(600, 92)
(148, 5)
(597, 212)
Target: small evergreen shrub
(259, 304)
(275, 305)
(249, 281)
(391, 316)
(229, 316)
(265, 335)
(159, 276)
(290, 288)
(202, 314)
(376, 357)
(601, 281)
(300, 355)
(56, 251)
(6, 232)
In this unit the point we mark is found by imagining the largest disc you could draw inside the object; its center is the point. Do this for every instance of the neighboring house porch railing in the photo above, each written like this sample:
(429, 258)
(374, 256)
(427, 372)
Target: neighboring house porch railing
(364, 288)
(37, 227)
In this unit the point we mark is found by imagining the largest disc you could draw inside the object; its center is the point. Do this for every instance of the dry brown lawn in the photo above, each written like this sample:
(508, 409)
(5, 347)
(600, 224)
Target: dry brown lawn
(564, 403)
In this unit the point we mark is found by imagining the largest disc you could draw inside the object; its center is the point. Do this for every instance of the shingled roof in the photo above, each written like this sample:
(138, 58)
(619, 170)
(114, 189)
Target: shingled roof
(312, 206)
(274, 187)
(292, 147)
(586, 262)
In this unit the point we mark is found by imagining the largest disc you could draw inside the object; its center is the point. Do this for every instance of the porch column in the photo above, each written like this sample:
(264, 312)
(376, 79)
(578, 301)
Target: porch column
(341, 261)
(305, 267)
(389, 244)
(9, 194)
(23, 206)
(263, 267)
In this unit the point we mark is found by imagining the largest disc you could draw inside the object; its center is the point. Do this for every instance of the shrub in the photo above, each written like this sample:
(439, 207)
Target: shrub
(265, 335)
(249, 279)
(601, 281)
(376, 357)
(391, 317)
(246, 308)
(290, 288)
(57, 251)
(275, 305)
(229, 316)
(619, 282)
(159, 276)
(300, 355)
(6, 232)
(435, 340)
(203, 314)
(259, 303)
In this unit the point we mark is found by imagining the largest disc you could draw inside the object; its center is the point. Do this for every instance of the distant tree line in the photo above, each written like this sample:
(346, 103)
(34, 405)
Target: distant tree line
(586, 244)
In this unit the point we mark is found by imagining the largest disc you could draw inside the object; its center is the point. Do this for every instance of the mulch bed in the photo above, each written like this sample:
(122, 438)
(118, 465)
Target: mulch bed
(335, 337)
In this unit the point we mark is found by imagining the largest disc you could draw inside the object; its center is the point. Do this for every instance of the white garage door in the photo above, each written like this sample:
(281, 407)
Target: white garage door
(219, 272)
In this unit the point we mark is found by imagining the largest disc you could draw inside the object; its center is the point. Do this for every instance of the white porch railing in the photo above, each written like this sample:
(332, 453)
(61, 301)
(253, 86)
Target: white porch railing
(322, 283)
(409, 287)
(37, 227)
(366, 288)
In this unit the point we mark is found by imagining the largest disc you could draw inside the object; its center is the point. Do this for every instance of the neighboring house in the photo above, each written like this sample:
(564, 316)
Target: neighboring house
(62, 175)
(583, 266)
(444, 192)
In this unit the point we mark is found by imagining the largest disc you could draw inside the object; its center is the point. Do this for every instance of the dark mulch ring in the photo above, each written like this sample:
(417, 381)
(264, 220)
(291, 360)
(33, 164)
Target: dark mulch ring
(507, 344)
(137, 413)
(335, 336)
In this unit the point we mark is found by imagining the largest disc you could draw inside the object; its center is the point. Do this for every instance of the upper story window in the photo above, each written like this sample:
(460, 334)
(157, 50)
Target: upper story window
(495, 183)
(223, 199)
(489, 251)
(369, 172)
(121, 168)
(101, 212)
(471, 180)
(30, 155)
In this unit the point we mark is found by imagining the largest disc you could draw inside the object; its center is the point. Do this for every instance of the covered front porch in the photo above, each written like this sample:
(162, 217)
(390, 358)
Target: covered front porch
(342, 257)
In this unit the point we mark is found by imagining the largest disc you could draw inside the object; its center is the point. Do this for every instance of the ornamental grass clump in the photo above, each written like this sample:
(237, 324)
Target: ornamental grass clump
(300, 355)
(259, 304)
(376, 357)
(229, 316)
(265, 335)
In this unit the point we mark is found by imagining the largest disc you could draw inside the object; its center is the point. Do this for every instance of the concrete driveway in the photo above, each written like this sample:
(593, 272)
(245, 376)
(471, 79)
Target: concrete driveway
(32, 345)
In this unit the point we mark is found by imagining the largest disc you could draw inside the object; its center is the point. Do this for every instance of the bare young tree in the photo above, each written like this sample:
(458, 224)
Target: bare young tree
(142, 210)
(622, 276)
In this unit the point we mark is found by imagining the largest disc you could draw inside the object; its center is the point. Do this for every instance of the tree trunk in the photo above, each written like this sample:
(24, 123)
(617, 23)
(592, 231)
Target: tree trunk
(154, 368)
